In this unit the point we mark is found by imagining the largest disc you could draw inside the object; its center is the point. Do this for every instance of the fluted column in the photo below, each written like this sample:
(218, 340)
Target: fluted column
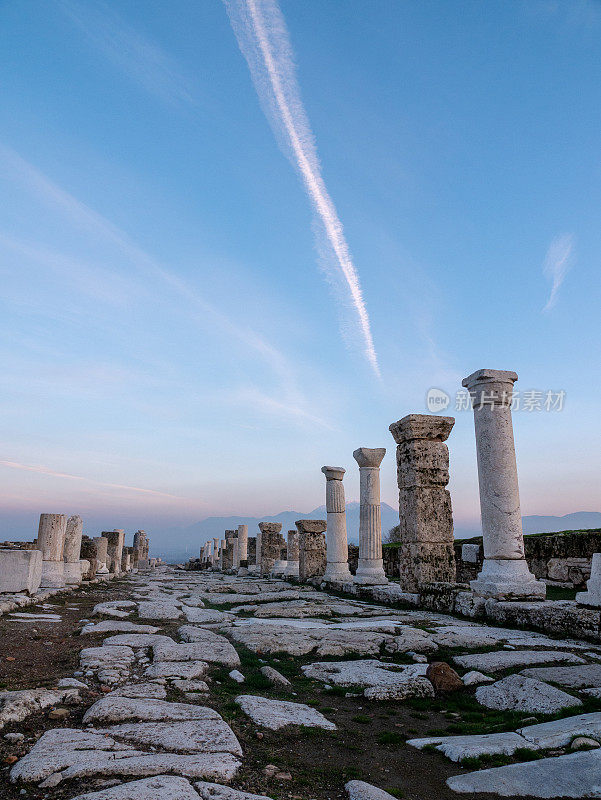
(71, 550)
(51, 541)
(292, 558)
(505, 574)
(370, 570)
(337, 569)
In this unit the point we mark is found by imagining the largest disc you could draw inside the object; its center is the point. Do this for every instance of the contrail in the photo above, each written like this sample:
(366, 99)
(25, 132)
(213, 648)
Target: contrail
(263, 39)
(53, 474)
(559, 259)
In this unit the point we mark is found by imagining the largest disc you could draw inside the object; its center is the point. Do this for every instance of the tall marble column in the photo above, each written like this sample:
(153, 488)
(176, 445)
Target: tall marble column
(505, 574)
(425, 512)
(370, 570)
(337, 569)
(51, 541)
(292, 555)
(243, 545)
(71, 550)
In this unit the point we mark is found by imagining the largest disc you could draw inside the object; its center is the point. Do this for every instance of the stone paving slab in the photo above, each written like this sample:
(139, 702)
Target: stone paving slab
(519, 693)
(112, 709)
(200, 644)
(18, 705)
(165, 787)
(359, 790)
(193, 736)
(117, 626)
(456, 748)
(215, 791)
(588, 675)
(507, 659)
(276, 714)
(158, 610)
(379, 679)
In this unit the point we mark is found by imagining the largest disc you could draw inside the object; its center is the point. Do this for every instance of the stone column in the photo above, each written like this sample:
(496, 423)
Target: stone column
(89, 551)
(243, 543)
(505, 574)
(337, 569)
(114, 549)
(236, 553)
(281, 562)
(125, 560)
(71, 551)
(101, 556)
(311, 548)
(292, 555)
(271, 544)
(252, 554)
(425, 514)
(592, 596)
(222, 554)
(51, 541)
(228, 551)
(370, 570)
(215, 553)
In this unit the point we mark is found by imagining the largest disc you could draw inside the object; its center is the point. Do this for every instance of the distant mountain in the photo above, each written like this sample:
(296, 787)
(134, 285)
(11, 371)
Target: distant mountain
(578, 521)
(214, 527)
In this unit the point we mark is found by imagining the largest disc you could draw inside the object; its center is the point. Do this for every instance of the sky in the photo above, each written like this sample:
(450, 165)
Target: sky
(239, 239)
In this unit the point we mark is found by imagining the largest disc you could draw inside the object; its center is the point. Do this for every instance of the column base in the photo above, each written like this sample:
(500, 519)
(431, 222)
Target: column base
(508, 579)
(370, 572)
(53, 575)
(338, 572)
(292, 569)
(72, 573)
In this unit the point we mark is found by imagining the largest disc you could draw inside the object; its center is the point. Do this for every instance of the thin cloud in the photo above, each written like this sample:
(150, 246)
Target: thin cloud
(263, 39)
(139, 58)
(559, 259)
(54, 474)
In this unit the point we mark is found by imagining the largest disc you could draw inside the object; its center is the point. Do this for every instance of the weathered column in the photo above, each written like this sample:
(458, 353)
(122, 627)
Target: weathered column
(281, 561)
(505, 574)
(592, 596)
(425, 514)
(89, 551)
(243, 544)
(292, 555)
(236, 553)
(215, 553)
(71, 550)
(51, 541)
(337, 569)
(125, 560)
(271, 544)
(114, 549)
(252, 554)
(255, 568)
(222, 554)
(311, 548)
(101, 556)
(370, 570)
(228, 550)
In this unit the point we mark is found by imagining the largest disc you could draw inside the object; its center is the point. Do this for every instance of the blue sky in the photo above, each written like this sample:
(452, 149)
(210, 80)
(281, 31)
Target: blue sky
(178, 338)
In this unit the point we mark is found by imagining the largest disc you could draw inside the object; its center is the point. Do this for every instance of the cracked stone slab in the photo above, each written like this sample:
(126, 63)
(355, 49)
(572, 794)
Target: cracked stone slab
(116, 626)
(158, 610)
(456, 748)
(184, 670)
(378, 679)
(190, 686)
(587, 675)
(461, 634)
(201, 645)
(276, 714)
(507, 659)
(64, 753)
(112, 663)
(137, 640)
(193, 736)
(575, 775)
(206, 616)
(111, 709)
(560, 732)
(167, 787)
(519, 693)
(150, 691)
(18, 705)
(114, 608)
(299, 641)
(215, 791)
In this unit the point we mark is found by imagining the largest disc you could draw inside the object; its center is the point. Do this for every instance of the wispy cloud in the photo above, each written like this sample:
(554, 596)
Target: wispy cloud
(264, 41)
(559, 259)
(54, 474)
(142, 60)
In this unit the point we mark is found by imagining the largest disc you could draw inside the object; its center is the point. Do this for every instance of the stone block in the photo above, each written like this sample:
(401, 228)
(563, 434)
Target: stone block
(20, 570)
(424, 562)
(311, 554)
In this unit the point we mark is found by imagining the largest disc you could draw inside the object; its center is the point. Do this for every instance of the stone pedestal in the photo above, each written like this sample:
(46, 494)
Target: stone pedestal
(592, 596)
(272, 542)
(51, 541)
(101, 555)
(505, 574)
(292, 564)
(20, 571)
(243, 545)
(337, 569)
(311, 548)
(71, 550)
(370, 569)
(425, 514)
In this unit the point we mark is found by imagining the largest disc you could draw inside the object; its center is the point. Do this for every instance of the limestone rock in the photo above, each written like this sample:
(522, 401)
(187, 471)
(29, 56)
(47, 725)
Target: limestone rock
(150, 691)
(18, 705)
(158, 610)
(137, 640)
(274, 676)
(380, 681)
(456, 748)
(474, 678)
(359, 790)
(519, 693)
(114, 608)
(193, 736)
(177, 669)
(443, 677)
(113, 709)
(215, 791)
(276, 714)
(111, 663)
(297, 642)
(508, 659)
(560, 732)
(115, 626)
(206, 616)
(202, 645)
(166, 787)
(571, 677)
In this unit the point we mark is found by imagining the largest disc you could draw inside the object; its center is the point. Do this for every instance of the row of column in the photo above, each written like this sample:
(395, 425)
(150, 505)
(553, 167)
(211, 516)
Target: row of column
(425, 510)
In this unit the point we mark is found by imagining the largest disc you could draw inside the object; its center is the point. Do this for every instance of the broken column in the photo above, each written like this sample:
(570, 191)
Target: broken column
(51, 541)
(311, 548)
(370, 570)
(71, 550)
(252, 554)
(20, 570)
(228, 551)
(89, 552)
(337, 569)
(215, 558)
(425, 514)
(592, 596)
(114, 549)
(271, 544)
(292, 555)
(243, 545)
(505, 574)
(101, 556)
(236, 553)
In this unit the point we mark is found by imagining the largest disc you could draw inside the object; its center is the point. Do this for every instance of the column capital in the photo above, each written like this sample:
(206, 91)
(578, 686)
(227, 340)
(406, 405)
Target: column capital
(490, 386)
(369, 457)
(333, 473)
(422, 426)
(270, 527)
(311, 525)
